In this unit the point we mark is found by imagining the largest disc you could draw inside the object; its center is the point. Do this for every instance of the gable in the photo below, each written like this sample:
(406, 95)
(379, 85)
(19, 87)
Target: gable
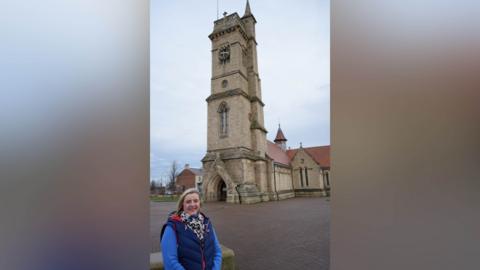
(185, 173)
(320, 154)
(300, 155)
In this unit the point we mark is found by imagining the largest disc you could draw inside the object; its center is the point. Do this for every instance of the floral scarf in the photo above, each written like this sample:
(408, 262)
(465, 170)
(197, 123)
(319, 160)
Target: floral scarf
(194, 223)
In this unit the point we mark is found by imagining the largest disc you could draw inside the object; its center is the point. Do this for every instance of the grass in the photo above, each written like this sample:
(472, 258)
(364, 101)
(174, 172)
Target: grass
(163, 198)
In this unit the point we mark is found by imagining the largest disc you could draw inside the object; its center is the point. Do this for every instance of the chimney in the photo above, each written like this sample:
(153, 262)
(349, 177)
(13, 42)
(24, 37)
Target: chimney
(187, 166)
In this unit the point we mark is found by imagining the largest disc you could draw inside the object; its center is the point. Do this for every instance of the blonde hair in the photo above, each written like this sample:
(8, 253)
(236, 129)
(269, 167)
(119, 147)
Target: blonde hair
(182, 198)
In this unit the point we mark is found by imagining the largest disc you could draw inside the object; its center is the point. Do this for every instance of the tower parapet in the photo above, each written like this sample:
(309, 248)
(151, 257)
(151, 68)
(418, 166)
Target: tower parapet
(228, 24)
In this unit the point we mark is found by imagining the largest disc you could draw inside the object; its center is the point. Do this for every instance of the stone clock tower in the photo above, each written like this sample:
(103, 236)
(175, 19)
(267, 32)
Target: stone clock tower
(235, 166)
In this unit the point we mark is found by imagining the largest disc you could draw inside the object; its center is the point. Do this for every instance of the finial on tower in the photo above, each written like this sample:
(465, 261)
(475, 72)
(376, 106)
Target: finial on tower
(247, 10)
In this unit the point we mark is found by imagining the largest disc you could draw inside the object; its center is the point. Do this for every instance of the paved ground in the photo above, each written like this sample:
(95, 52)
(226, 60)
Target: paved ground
(288, 234)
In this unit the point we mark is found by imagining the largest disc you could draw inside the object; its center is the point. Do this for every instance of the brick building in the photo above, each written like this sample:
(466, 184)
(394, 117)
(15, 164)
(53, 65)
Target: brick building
(189, 178)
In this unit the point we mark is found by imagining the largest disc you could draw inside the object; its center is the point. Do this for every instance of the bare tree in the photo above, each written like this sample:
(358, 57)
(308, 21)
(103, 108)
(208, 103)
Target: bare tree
(172, 175)
(161, 188)
(153, 186)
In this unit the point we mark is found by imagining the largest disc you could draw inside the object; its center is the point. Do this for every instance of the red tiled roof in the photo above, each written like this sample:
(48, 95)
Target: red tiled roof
(280, 136)
(277, 154)
(193, 170)
(321, 154)
(291, 153)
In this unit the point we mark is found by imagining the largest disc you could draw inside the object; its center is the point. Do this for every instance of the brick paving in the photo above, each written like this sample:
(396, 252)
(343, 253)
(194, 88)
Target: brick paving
(288, 234)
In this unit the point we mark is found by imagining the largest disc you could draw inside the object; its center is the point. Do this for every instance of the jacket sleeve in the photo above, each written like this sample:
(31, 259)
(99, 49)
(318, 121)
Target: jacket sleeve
(169, 250)
(217, 260)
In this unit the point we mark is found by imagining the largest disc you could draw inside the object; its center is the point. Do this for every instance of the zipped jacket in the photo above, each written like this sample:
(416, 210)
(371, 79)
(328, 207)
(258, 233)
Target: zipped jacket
(193, 253)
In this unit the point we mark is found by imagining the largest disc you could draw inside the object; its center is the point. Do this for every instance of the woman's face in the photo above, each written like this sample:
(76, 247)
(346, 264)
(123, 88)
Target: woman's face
(191, 204)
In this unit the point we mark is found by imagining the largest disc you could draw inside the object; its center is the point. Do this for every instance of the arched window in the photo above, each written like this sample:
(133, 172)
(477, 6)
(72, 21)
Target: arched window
(306, 175)
(223, 116)
(301, 176)
(327, 178)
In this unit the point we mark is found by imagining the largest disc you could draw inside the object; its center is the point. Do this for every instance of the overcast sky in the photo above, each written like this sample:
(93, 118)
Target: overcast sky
(294, 66)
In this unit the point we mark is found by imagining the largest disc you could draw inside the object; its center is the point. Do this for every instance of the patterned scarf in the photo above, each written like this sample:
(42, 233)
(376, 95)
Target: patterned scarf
(194, 223)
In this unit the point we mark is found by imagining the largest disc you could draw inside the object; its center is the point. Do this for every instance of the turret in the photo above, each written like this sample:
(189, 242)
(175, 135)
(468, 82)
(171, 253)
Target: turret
(249, 21)
(280, 139)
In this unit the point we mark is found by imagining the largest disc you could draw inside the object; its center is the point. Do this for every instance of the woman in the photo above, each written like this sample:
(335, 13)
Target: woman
(188, 239)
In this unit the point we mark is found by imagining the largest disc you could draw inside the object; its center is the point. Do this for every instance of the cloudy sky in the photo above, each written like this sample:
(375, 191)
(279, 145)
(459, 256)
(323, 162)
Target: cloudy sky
(294, 66)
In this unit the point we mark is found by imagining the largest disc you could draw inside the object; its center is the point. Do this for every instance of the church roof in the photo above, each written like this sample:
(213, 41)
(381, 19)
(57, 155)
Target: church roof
(321, 154)
(280, 136)
(277, 154)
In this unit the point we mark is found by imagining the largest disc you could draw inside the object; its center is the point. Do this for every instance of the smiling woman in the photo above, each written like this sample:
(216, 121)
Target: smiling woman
(188, 239)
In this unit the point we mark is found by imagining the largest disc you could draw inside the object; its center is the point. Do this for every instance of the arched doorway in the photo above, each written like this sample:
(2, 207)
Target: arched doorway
(222, 191)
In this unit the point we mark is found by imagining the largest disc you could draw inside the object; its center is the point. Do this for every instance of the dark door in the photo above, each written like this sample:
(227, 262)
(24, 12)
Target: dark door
(222, 191)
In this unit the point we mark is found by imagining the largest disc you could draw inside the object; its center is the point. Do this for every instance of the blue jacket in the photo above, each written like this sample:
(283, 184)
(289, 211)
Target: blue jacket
(181, 248)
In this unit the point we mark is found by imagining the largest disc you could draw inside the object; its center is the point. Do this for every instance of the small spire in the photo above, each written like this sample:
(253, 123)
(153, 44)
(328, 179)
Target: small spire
(280, 137)
(247, 10)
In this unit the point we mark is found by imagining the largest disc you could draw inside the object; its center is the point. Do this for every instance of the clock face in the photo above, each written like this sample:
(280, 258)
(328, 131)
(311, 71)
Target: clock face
(224, 54)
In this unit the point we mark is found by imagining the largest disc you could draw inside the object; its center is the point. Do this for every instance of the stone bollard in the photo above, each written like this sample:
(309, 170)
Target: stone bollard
(228, 259)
